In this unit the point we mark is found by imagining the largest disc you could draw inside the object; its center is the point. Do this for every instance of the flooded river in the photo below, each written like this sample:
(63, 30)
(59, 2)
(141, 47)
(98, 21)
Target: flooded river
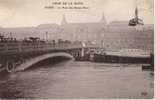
(81, 80)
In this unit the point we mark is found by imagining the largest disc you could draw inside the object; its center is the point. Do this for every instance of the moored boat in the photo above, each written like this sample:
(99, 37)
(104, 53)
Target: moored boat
(122, 57)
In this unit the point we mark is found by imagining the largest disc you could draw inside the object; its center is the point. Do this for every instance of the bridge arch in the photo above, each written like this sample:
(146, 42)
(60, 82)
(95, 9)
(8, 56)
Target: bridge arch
(32, 61)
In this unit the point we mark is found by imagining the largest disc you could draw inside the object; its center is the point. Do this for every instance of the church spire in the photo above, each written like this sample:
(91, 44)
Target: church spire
(63, 22)
(103, 20)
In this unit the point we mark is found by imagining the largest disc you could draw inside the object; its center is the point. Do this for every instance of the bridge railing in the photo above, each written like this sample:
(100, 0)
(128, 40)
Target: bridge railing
(13, 47)
(26, 47)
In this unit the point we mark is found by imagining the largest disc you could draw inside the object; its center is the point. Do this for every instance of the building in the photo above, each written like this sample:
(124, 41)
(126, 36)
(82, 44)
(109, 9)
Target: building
(82, 31)
(115, 35)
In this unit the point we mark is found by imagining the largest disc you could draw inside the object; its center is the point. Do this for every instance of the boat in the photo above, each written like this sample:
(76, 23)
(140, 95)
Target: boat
(122, 56)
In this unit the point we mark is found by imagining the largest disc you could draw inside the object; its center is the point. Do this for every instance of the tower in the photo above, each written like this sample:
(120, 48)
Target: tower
(63, 22)
(103, 20)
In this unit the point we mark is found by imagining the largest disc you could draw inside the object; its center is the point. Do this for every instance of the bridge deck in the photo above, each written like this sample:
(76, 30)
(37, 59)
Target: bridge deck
(7, 48)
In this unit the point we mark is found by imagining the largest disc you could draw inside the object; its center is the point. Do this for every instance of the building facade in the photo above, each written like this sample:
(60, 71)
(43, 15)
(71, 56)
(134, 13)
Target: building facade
(115, 35)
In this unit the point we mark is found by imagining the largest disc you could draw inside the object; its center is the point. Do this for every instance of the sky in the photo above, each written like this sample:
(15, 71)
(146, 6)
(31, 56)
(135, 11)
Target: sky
(23, 13)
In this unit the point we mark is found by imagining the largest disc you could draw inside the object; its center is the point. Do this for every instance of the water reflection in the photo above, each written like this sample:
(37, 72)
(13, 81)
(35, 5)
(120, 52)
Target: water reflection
(72, 79)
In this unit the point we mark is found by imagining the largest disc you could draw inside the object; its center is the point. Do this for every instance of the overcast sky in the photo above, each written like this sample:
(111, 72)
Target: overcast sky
(16, 13)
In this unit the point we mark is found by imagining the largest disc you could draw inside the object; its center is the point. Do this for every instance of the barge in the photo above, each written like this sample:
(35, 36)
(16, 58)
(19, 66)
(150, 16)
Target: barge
(121, 57)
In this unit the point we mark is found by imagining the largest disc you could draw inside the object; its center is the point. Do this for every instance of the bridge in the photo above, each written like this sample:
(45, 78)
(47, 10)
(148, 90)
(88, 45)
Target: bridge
(37, 59)
(17, 56)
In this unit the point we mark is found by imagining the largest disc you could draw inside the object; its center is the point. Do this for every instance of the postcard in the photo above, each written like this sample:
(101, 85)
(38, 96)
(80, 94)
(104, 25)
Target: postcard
(76, 49)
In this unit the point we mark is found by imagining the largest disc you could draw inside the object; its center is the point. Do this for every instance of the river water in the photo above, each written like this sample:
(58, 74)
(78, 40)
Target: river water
(79, 80)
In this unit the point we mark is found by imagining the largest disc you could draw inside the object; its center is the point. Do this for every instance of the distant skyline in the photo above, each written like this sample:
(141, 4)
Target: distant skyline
(23, 13)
